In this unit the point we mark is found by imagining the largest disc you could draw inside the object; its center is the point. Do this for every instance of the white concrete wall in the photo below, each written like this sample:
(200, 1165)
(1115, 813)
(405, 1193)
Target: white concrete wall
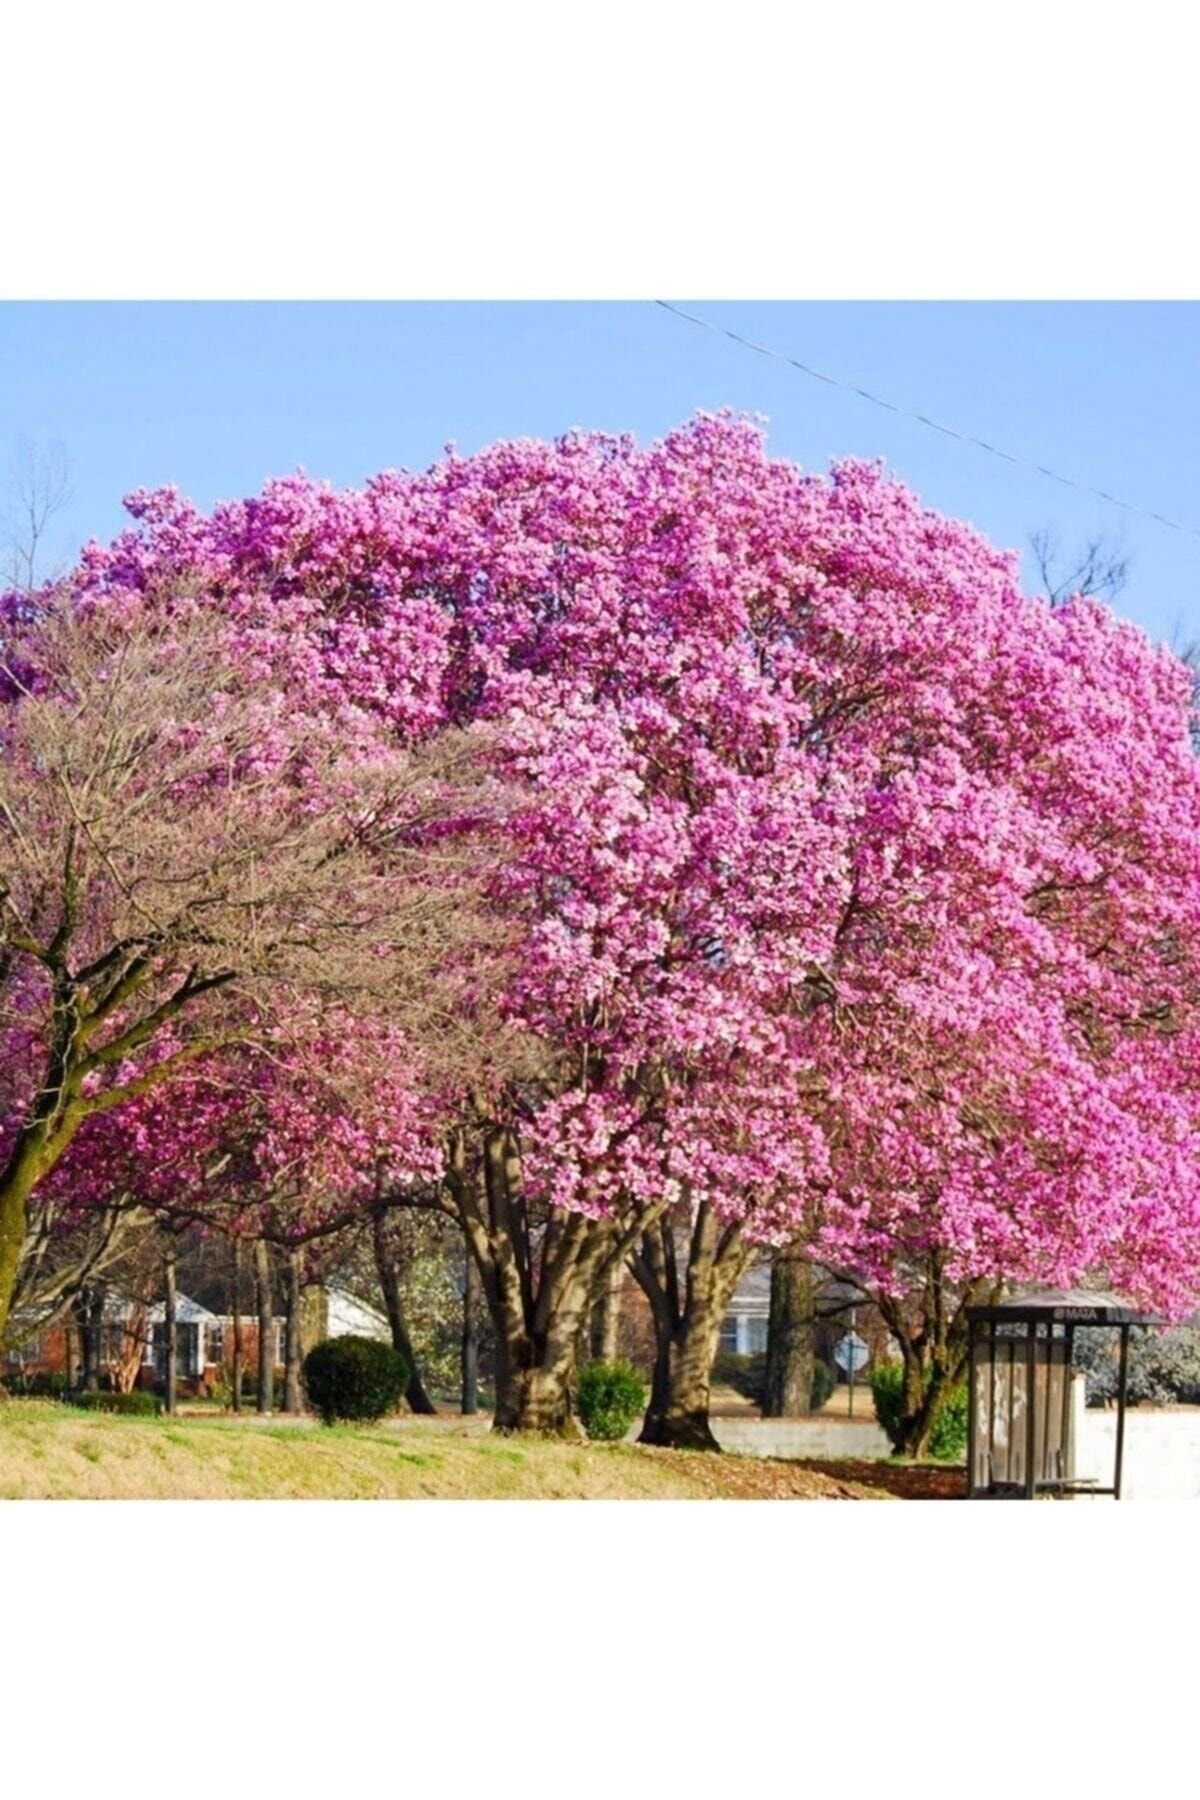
(1162, 1452)
(816, 1437)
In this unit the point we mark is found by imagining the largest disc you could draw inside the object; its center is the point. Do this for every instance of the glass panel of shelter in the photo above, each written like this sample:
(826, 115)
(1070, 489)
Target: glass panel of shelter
(1011, 1364)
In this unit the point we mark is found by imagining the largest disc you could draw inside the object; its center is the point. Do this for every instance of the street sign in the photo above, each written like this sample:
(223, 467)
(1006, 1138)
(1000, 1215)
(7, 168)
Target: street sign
(851, 1353)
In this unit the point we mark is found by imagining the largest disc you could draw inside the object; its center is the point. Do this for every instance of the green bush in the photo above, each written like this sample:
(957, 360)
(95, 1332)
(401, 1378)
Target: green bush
(823, 1383)
(137, 1404)
(887, 1391)
(611, 1395)
(40, 1386)
(1164, 1367)
(948, 1440)
(354, 1378)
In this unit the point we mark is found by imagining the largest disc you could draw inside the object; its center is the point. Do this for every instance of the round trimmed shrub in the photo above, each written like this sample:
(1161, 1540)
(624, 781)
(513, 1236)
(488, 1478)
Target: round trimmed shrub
(354, 1378)
(611, 1395)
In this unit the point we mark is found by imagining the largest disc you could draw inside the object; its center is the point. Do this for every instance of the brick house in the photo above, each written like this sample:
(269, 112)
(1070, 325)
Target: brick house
(132, 1349)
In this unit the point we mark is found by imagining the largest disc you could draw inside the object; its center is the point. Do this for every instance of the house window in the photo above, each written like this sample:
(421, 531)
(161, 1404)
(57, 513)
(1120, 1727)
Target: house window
(214, 1343)
(729, 1333)
(28, 1352)
(186, 1349)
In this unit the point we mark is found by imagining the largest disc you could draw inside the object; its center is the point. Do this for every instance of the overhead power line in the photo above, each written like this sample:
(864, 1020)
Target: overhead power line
(964, 437)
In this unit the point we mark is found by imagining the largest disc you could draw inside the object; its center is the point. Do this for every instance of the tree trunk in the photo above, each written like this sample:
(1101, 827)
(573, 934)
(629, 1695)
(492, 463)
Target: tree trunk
(540, 1280)
(927, 1383)
(236, 1311)
(133, 1347)
(536, 1397)
(263, 1302)
(89, 1340)
(170, 1347)
(687, 1324)
(537, 1344)
(606, 1316)
(677, 1416)
(34, 1153)
(934, 1349)
(389, 1281)
(787, 1389)
(293, 1398)
(71, 1334)
(472, 1295)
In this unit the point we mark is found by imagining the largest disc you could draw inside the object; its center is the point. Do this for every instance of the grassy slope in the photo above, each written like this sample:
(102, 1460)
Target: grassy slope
(52, 1452)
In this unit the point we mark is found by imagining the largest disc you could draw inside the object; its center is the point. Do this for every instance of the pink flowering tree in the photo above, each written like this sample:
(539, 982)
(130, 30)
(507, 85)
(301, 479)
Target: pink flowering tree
(1010, 1062)
(835, 877)
(285, 1139)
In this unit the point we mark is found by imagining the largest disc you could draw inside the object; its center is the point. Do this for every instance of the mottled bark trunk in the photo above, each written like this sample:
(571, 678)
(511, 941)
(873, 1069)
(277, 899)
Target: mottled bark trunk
(389, 1282)
(236, 1311)
(472, 1296)
(536, 1358)
(680, 1392)
(293, 1394)
(536, 1399)
(787, 1388)
(687, 1323)
(170, 1346)
(266, 1349)
(539, 1278)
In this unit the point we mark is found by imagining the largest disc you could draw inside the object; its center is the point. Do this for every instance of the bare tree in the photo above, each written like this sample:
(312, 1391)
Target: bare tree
(65, 1254)
(159, 887)
(1099, 568)
(39, 488)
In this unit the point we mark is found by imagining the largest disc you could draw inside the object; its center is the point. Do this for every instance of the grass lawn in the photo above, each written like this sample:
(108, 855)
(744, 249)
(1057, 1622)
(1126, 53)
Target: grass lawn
(52, 1452)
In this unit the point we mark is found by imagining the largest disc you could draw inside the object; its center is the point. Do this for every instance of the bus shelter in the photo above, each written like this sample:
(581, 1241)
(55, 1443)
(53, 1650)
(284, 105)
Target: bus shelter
(1019, 1436)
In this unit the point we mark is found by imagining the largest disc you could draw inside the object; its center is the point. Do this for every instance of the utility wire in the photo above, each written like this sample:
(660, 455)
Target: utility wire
(964, 437)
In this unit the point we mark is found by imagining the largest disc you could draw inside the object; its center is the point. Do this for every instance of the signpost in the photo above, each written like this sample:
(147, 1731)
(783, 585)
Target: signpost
(852, 1354)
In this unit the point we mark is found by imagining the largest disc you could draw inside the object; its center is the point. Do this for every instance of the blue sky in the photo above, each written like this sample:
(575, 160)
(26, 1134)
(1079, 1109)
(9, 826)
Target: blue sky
(215, 397)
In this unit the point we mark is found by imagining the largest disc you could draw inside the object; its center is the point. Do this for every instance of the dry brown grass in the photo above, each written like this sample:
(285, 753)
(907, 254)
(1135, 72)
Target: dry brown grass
(49, 1452)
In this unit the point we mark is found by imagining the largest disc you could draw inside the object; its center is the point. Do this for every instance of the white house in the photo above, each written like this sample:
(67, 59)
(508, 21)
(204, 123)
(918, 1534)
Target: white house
(347, 1316)
(744, 1327)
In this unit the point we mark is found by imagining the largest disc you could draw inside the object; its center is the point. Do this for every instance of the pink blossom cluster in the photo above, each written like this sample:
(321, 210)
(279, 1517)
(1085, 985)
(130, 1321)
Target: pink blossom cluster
(857, 891)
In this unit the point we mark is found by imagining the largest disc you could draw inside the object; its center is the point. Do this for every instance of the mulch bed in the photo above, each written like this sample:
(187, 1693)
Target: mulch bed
(729, 1477)
(732, 1477)
(907, 1481)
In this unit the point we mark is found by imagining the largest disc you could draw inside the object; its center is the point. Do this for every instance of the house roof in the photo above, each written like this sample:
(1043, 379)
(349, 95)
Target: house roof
(187, 1312)
(351, 1307)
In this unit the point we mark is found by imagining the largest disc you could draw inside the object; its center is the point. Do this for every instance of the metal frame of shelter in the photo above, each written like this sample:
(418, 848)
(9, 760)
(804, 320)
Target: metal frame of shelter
(1019, 1392)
